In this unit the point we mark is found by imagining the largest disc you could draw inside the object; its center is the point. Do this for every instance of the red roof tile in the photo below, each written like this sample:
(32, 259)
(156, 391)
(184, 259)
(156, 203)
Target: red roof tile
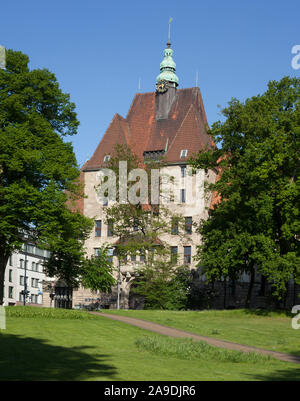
(185, 128)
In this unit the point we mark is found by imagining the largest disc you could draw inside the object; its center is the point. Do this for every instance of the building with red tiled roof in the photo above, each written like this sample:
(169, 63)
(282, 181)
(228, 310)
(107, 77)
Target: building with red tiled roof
(170, 123)
(145, 129)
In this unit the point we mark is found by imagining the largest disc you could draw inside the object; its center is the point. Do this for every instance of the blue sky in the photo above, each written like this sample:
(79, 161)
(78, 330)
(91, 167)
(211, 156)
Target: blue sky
(99, 50)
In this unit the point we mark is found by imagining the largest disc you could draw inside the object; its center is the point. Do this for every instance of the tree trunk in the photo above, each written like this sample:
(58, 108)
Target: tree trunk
(295, 293)
(262, 291)
(250, 288)
(225, 293)
(3, 262)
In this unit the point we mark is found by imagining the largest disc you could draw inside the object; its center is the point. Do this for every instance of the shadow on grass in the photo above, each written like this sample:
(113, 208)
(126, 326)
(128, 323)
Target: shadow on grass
(29, 359)
(267, 312)
(279, 375)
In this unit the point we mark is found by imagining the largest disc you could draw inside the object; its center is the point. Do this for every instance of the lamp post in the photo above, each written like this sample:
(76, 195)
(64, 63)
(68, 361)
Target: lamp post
(118, 283)
(25, 273)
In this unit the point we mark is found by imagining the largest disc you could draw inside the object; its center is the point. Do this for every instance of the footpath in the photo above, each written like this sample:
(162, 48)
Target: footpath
(170, 331)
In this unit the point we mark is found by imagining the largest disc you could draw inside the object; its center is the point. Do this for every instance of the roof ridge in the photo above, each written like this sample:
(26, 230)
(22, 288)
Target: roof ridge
(174, 139)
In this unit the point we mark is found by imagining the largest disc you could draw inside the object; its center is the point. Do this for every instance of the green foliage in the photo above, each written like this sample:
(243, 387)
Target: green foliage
(102, 349)
(257, 221)
(163, 286)
(140, 229)
(38, 168)
(97, 272)
(189, 349)
(46, 313)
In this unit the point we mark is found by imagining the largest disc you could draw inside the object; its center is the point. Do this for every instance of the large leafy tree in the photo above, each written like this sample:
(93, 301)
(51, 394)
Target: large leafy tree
(256, 221)
(38, 168)
(163, 285)
(97, 272)
(139, 227)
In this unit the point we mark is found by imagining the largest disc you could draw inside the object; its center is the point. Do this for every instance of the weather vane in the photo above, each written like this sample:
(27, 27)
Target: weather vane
(169, 35)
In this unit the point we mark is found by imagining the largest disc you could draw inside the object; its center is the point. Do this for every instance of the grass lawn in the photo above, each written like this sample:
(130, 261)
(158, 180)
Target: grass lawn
(42, 344)
(272, 331)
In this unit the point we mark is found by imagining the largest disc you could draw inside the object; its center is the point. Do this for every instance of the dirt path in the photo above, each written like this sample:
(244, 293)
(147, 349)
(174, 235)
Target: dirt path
(169, 331)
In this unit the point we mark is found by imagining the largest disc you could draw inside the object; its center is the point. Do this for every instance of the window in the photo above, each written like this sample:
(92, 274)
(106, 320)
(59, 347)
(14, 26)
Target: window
(21, 263)
(174, 227)
(97, 251)
(174, 254)
(110, 228)
(34, 282)
(183, 171)
(188, 225)
(98, 228)
(182, 196)
(142, 258)
(39, 252)
(136, 225)
(106, 158)
(47, 254)
(34, 299)
(33, 266)
(22, 280)
(37, 267)
(110, 254)
(10, 292)
(30, 249)
(187, 255)
(10, 275)
(10, 261)
(183, 153)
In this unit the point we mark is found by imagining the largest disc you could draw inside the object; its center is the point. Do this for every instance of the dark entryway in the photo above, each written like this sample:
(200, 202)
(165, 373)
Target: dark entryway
(135, 301)
(63, 297)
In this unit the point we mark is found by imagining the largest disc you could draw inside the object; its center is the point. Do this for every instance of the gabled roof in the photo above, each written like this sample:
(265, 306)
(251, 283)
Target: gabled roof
(185, 128)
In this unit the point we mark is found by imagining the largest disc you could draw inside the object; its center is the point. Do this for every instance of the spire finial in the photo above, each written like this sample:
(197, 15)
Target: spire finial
(169, 35)
(168, 65)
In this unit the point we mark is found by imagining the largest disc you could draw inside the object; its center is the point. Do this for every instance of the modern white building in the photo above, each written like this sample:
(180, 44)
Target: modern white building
(25, 272)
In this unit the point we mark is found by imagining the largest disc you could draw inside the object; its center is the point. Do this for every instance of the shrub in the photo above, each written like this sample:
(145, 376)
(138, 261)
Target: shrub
(46, 313)
(187, 348)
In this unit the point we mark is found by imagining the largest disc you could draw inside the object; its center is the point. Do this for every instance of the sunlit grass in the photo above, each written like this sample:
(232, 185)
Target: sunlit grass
(258, 328)
(56, 344)
(189, 349)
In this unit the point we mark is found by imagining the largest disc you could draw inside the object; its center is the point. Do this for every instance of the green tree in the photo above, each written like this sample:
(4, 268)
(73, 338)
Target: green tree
(140, 229)
(97, 272)
(38, 168)
(256, 222)
(163, 285)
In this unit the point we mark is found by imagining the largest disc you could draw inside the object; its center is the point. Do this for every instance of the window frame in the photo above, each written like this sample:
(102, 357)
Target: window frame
(187, 257)
(188, 227)
(98, 229)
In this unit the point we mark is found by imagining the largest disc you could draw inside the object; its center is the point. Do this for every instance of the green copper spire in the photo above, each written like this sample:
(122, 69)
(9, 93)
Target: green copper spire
(168, 68)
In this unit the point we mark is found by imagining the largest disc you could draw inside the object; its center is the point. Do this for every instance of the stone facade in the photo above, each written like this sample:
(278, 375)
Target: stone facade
(195, 207)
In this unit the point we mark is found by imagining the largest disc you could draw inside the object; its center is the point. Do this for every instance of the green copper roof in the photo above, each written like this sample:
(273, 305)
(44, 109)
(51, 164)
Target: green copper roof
(168, 67)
